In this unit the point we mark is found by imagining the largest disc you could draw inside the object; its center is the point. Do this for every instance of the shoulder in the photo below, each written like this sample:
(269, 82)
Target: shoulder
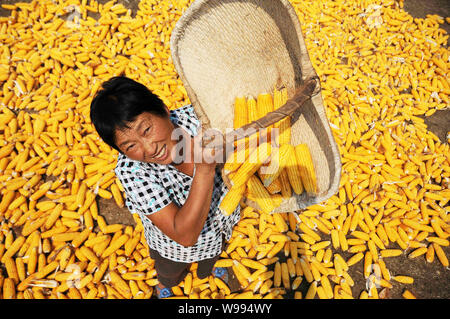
(143, 185)
(186, 117)
(130, 170)
(125, 165)
(186, 110)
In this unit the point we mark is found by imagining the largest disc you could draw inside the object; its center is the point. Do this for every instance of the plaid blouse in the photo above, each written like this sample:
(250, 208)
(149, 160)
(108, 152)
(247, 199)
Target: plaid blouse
(150, 187)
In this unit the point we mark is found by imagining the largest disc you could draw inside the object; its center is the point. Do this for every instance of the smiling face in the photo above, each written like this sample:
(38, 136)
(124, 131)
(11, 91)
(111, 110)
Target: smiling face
(147, 139)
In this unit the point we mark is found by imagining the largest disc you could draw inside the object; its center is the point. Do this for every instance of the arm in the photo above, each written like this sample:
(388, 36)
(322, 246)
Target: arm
(184, 224)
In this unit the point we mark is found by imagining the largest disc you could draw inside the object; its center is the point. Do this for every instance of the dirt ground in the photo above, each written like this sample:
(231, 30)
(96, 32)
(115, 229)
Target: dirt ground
(439, 122)
(431, 281)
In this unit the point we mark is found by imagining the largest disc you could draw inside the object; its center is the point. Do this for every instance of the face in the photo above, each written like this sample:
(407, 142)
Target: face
(147, 139)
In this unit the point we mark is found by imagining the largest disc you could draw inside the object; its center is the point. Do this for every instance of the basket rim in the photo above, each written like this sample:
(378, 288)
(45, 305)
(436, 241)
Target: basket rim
(307, 71)
(190, 14)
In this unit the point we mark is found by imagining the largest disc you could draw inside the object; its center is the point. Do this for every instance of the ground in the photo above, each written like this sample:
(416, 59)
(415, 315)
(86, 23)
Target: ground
(431, 281)
(439, 122)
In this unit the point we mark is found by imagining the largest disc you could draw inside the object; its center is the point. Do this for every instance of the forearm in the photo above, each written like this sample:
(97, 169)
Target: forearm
(191, 217)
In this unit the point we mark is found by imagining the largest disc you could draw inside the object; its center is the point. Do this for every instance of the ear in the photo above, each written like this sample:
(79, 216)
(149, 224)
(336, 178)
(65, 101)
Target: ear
(167, 110)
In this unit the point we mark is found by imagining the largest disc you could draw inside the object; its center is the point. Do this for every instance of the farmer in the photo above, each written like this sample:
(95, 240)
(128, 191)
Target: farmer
(175, 192)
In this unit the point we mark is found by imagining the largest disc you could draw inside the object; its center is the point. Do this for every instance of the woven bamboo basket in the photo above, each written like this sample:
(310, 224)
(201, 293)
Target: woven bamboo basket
(223, 49)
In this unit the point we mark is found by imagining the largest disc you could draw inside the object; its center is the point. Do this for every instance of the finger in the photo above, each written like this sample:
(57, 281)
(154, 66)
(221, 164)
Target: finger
(212, 138)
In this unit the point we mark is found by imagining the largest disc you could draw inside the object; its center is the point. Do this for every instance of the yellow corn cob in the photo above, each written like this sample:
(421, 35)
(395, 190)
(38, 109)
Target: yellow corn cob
(307, 171)
(90, 254)
(222, 286)
(9, 289)
(13, 248)
(320, 245)
(368, 258)
(241, 268)
(264, 104)
(430, 254)
(253, 264)
(277, 163)
(7, 198)
(120, 284)
(306, 268)
(285, 276)
(252, 113)
(390, 252)
(404, 279)
(284, 125)
(293, 170)
(236, 159)
(231, 200)
(11, 269)
(408, 295)
(240, 112)
(187, 284)
(355, 258)
(6, 150)
(326, 287)
(224, 263)
(439, 241)
(277, 275)
(310, 294)
(260, 194)
(117, 194)
(274, 187)
(115, 245)
(441, 255)
(418, 252)
(256, 158)
(286, 190)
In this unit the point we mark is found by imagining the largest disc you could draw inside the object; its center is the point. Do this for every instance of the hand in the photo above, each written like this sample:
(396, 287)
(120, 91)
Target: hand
(208, 150)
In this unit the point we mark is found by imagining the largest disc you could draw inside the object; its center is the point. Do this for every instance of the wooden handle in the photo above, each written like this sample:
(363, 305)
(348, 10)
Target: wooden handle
(302, 94)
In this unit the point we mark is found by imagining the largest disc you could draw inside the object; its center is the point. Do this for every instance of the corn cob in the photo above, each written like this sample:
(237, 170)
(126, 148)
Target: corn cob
(252, 111)
(240, 113)
(264, 104)
(293, 170)
(231, 200)
(235, 160)
(284, 125)
(277, 163)
(408, 294)
(307, 171)
(9, 289)
(260, 194)
(256, 158)
(286, 190)
(274, 187)
(404, 279)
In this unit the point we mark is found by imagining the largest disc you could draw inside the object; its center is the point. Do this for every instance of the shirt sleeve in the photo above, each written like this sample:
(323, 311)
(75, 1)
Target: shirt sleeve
(144, 194)
(186, 117)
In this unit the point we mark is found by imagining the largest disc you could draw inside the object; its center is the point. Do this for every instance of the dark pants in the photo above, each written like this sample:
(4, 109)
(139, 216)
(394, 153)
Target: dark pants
(170, 273)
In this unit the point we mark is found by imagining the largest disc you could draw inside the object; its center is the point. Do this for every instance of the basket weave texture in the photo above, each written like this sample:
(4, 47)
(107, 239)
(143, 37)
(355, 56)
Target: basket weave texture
(223, 49)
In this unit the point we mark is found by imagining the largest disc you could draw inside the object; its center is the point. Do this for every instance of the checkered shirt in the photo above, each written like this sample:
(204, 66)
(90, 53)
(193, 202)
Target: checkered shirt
(150, 187)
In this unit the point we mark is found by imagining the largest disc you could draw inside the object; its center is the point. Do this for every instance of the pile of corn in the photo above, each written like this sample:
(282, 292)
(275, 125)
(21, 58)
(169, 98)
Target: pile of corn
(266, 167)
(53, 58)
(380, 69)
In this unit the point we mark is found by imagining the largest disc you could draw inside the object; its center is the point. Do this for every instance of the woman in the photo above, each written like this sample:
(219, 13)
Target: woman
(176, 196)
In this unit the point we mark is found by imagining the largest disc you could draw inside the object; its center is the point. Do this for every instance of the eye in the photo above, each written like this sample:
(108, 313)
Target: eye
(147, 130)
(130, 147)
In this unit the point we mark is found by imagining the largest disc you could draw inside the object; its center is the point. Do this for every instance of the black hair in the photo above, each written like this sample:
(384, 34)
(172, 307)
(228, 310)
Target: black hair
(119, 102)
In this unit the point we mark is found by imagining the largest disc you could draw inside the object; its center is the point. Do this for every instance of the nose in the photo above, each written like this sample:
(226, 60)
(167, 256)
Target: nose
(149, 148)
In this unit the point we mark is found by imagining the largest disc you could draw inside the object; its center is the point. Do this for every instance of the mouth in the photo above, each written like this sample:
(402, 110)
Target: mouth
(162, 154)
